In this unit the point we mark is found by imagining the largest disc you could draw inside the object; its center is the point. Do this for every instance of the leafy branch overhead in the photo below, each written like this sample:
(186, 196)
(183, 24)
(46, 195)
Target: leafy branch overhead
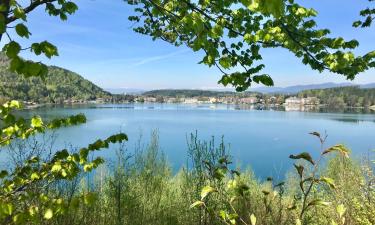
(17, 186)
(232, 33)
(13, 15)
(369, 16)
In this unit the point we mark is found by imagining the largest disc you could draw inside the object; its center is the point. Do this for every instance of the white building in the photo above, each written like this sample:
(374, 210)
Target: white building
(302, 101)
(310, 101)
(191, 100)
(293, 101)
(249, 100)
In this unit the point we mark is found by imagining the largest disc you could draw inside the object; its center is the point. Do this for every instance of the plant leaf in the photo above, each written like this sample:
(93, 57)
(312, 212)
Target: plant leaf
(329, 181)
(253, 219)
(299, 169)
(304, 155)
(48, 214)
(338, 148)
(318, 202)
(315, 134)
(341, 210)
(206, 191)
(196, 204)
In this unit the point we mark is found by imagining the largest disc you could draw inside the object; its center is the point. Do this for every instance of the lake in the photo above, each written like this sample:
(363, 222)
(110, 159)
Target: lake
(260, 139)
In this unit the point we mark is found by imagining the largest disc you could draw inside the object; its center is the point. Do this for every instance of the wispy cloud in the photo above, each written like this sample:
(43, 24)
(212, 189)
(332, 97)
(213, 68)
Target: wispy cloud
(158, 58)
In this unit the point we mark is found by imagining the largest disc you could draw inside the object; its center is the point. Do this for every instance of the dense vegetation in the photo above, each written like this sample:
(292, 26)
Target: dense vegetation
(340, 97)
(139, 188)
(343, 96)
(59, 85)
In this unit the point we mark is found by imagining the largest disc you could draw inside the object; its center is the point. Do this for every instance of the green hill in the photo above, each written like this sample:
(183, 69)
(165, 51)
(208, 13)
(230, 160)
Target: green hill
(352, 96)
(59, 86)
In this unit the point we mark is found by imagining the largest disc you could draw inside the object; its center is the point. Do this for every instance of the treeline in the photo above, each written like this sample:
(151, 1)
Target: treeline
(60, 85)
(187, 93)
(340, 97)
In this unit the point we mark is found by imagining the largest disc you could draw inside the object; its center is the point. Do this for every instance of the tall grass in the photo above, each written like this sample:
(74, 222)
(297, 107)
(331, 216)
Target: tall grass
(140, 188)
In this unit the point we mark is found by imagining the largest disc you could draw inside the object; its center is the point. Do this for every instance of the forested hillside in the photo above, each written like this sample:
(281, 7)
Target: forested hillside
(353, 96)
(60, 85)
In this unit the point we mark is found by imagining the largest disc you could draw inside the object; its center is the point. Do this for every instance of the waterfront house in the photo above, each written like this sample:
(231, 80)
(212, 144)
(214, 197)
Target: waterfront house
(191, 101)
(249, 100)
(293, 101)
(310, 101)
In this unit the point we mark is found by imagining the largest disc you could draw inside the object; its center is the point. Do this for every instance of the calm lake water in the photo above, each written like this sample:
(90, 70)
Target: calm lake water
(262, 140)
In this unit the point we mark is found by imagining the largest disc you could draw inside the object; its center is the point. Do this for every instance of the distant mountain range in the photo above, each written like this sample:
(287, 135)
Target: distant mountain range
(371, 85)
(298, 88)
(265, 90)
(125, 90)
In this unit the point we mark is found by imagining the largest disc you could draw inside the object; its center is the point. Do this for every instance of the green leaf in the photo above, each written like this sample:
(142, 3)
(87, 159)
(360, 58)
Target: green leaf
(318, 202)
(22, 30)
(341, 210)
(317, 134)
(34, 176)
(206, 191)
(6, 208)
(264, 79)
(267, 7)
(14, 104)
(329, 181)
(36, 122)
(3, 174)
(217, 31)
(306, 156)
(12, 49)
(56, 167)
(87, 167)
(48, 214)
(219, 173)
(70, 7)
(225, 62)
(19, 13)
(338, 148)
(90, 198)
(48, 49)
(253, 219)
(196, 204)
(357, 23)
(299, 169)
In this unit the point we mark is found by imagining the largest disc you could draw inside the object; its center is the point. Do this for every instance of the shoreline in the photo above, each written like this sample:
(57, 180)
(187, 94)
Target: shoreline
(239, 106)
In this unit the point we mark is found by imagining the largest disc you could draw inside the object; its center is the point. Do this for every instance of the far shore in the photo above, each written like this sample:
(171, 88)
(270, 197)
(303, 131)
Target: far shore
(283, 107)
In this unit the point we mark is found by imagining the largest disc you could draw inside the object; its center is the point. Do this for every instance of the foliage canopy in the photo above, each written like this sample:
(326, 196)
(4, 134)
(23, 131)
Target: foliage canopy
(232, 33)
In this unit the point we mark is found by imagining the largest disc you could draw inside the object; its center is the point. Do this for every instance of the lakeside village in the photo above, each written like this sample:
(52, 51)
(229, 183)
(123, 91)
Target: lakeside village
(253, 101)
(290, 103)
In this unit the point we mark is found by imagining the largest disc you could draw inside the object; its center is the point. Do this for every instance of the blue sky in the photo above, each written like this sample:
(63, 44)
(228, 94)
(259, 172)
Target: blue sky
(98, 43)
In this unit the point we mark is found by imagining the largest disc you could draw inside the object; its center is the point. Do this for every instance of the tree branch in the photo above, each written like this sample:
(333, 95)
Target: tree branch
(29, 8)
